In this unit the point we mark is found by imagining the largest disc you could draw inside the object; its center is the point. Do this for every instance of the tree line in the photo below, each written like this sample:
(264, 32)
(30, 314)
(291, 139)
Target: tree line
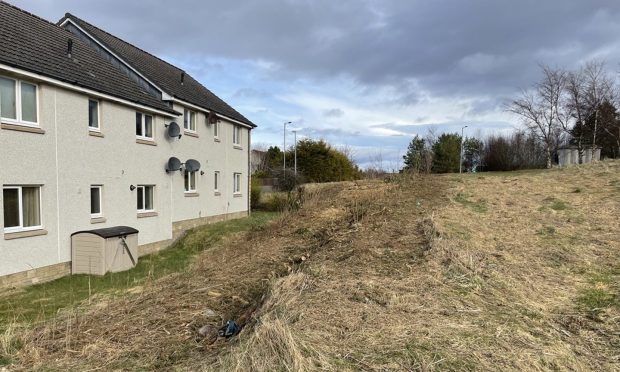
(576, 108)
(317, 161)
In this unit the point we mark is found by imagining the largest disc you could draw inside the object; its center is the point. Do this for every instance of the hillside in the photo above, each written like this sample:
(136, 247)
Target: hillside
(506, 271)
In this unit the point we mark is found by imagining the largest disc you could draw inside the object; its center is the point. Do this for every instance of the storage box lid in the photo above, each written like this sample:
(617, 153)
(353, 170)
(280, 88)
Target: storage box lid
(110, 232)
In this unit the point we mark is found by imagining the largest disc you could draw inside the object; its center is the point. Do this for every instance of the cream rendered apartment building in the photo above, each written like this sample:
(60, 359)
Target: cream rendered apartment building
(87, 133)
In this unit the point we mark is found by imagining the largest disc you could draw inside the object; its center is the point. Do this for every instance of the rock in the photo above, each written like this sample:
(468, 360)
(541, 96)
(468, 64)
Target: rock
(210, 313)
(209, 333)
(240, 299)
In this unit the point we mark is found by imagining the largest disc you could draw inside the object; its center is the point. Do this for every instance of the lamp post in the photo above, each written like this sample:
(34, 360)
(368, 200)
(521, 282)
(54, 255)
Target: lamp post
(295, 135)
(284, 148)
(461, 155)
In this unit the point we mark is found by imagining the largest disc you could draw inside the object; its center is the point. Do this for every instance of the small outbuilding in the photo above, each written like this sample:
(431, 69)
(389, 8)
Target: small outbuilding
(100, 251)
(569, 155)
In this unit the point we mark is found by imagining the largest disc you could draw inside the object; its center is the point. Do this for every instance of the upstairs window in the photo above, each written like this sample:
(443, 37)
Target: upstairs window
(18, 101)
(216, 131)
(237, 135)
(189, 120)
(190, 182)
(146, 196)
(144, 126)
(93, 114)
(22, 208)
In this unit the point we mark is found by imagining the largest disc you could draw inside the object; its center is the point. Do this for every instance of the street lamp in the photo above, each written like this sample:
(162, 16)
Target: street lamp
(284, 149)
(461, 155)
(295, 135)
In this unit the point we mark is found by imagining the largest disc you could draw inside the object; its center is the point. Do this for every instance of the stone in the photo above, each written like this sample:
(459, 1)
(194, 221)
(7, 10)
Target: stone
(208, 333)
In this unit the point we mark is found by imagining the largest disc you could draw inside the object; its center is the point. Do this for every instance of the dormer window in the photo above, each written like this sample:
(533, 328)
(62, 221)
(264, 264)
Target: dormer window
(189, 120)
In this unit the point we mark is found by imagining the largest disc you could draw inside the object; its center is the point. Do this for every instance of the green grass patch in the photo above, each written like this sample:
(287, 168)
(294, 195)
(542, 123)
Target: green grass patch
(40, 302)
(555, 204)
(479, 206)
(601, 292)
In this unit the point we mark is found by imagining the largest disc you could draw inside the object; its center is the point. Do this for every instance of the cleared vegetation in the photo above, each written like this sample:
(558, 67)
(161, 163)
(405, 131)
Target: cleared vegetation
(509, 271)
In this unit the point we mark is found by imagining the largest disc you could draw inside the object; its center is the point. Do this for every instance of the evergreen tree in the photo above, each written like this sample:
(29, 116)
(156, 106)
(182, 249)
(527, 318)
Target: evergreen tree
(447, 153)
(415, 156)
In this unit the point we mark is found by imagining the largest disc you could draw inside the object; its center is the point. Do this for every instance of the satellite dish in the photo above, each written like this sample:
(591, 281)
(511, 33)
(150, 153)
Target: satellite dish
(174, 130)
(192, 165)
(174, 164)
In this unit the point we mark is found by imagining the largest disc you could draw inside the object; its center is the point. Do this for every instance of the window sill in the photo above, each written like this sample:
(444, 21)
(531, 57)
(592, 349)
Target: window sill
(217, 193)
(147, 214)
(191, 134)
(22, 128)
(24, 234)
(146, 142)
(95, 133)
(237, 195)
(216, 139)
(94, 220)
(238, 147)
(191, 194)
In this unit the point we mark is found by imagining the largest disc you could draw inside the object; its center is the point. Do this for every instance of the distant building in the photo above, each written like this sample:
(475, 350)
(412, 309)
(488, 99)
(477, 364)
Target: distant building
(258, 161)
(569, 155)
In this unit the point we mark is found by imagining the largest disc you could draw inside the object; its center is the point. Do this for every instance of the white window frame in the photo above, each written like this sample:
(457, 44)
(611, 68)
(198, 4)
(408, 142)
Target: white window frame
(237, 135)
(100, 214)
(143, 136)
(216, 182)
(187, 182)
(21, 228)
(216, 131)
(18, 104)
(236, 183)
(98, 127)
(143, 188)
(191, 121)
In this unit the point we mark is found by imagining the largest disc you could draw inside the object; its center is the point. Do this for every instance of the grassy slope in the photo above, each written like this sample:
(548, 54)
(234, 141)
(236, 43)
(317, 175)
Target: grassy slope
(38, 303)
(492, 271)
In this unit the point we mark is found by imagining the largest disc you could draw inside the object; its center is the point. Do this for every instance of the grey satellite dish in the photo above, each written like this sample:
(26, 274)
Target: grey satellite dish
(192, 165)
(174, 164)
(174, 130)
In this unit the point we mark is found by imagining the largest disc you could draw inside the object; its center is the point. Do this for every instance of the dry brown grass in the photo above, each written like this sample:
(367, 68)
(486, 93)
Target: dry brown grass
(479, 272)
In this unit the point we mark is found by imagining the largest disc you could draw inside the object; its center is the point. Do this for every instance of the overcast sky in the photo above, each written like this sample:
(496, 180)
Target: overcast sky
(364, 74)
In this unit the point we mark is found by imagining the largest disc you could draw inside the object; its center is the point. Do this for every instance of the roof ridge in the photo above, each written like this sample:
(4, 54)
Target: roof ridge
(31, 14)
(71, 16)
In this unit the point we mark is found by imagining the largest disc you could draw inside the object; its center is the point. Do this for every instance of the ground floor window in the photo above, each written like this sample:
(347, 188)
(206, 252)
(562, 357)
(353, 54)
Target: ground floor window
(237, 183)
(190, 181)
(146, 195)
(216, 185)
(96, 201)
(22, 208)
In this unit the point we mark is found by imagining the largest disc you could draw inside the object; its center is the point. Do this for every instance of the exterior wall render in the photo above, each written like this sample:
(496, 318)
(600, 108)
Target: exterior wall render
(66, 160)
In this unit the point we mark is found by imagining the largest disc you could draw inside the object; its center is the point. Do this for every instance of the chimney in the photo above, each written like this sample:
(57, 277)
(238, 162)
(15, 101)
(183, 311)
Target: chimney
(69, 48)
(182, 77)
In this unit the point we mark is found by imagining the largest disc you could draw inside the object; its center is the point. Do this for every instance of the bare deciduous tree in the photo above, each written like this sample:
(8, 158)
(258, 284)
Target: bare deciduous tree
(541, 109)
(598, 87)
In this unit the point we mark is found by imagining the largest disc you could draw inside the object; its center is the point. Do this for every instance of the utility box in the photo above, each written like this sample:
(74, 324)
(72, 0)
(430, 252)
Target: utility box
(100, 251)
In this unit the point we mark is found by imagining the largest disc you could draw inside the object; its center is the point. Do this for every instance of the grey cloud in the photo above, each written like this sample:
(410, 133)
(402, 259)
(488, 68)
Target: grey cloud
(450, 47)
(333, 113)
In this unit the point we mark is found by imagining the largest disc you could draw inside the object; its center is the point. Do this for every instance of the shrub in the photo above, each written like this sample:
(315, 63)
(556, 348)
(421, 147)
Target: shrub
(287, 180)
(255, 193)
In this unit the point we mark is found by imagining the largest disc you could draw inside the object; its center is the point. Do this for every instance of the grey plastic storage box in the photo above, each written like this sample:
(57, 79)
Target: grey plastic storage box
(100, 251)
